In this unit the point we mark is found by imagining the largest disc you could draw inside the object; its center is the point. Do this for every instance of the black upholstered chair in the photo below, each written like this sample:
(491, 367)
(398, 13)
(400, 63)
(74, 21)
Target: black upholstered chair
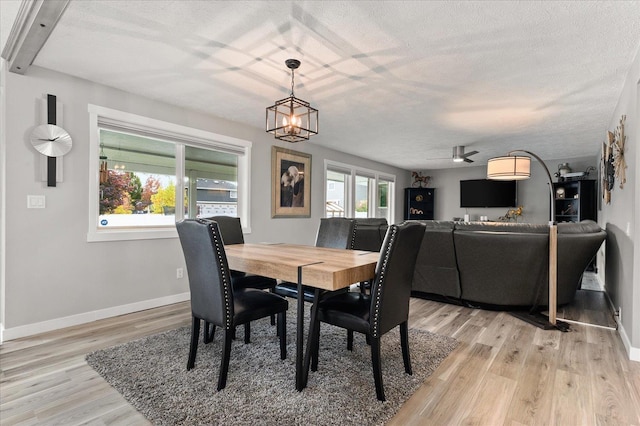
(213, 299)
(386, 307)
(370, 232)
(231, 231)
(334, 232)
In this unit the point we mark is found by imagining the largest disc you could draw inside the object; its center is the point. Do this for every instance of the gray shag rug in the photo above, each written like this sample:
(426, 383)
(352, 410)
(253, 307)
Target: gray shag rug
(151, 374)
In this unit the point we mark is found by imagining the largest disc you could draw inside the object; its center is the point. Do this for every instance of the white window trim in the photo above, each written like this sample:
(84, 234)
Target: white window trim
(351, 188)
(195, 137)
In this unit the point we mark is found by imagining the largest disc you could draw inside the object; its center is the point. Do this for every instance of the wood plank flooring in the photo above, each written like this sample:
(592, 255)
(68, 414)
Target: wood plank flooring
(504, 372)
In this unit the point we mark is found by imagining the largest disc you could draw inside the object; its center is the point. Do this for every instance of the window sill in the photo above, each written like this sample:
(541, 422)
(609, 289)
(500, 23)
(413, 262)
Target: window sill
(115, 234)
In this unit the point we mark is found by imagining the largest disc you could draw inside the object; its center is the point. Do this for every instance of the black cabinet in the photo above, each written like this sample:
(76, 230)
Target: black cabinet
(575, 200)
(418, 203)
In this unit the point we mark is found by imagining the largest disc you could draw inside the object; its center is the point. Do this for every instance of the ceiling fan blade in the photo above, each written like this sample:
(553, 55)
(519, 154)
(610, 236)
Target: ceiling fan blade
(466, 160)
(467, 154)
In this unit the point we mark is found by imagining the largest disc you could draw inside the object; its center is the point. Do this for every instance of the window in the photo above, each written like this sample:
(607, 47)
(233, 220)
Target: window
(335, 201)
(357, 192)
(385, 193)
(147, 174)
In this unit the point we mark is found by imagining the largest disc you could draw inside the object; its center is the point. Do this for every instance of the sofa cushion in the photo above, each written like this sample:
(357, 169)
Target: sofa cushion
(502, 268)
(529, 228)
(584, 227)
(436, 270)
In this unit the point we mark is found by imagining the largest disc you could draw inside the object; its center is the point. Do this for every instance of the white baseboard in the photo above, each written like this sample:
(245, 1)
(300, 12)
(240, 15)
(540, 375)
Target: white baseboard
(633, 353)
(58, 323)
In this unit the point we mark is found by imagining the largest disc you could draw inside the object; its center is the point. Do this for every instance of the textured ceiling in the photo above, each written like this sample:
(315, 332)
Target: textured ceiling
(397, 82)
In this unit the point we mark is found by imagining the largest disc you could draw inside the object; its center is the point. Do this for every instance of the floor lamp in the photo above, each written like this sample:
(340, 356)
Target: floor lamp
(514, 167)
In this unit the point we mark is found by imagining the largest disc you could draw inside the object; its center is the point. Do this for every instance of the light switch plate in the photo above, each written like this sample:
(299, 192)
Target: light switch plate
(35, 202)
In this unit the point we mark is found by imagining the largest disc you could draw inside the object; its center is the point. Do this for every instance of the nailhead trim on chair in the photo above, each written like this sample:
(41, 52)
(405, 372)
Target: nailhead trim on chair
(353, 236)
(380, 284)
(217, 240)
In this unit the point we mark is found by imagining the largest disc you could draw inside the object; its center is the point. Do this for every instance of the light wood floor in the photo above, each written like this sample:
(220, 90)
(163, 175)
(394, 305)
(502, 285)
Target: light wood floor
(504, 372)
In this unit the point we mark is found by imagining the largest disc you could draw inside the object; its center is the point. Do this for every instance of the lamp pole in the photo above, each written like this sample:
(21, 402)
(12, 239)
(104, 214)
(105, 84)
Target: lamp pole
(553, 243)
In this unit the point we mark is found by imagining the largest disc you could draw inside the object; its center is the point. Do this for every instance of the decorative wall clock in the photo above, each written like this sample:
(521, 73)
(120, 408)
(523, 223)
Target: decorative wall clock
(51, 140)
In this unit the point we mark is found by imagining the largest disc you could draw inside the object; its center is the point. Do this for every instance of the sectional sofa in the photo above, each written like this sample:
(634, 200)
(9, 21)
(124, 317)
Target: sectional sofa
(501, 265)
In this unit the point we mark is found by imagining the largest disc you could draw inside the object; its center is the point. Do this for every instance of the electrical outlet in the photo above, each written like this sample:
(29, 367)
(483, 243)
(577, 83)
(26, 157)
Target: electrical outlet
(179, 273)
(617, 315)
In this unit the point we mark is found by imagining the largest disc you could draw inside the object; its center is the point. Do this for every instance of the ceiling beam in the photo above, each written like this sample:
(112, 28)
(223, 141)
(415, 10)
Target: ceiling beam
(35, 21)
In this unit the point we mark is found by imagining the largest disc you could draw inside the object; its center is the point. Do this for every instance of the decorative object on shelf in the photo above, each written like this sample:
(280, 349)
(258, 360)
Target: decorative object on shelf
(51, 140)
(292, 119)
(565, 173)
(560, 193)
(459, 156)
(563, 169)
(420, 181)
(415, 211)
(511, 214)
(619, 164)
(290, 183)
(513, 167)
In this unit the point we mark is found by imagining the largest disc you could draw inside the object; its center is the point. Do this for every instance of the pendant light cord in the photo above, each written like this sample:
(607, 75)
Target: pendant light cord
(292, 71)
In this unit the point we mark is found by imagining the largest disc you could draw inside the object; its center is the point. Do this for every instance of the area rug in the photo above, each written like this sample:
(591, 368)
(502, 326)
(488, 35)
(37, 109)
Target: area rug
(151, 374)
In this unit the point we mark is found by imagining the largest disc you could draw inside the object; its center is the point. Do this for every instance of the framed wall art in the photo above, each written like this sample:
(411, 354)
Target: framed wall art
(290, 183)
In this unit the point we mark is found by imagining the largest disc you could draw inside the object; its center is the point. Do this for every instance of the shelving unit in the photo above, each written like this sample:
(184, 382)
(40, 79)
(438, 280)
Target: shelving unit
(419, 203)
(575, 200)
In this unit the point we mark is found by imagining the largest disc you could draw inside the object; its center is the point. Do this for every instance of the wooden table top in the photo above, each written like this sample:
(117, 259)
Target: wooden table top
(326, 268)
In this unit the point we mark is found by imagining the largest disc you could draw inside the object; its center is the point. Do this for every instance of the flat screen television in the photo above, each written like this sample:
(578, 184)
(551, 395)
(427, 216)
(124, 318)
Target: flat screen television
(488, 193)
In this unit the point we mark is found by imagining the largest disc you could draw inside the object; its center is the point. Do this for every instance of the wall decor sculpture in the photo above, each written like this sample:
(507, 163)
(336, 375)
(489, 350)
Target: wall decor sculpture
(613, 165)
(619, 164)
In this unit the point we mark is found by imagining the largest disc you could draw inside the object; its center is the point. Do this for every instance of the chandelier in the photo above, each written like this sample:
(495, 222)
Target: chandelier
(292, 119)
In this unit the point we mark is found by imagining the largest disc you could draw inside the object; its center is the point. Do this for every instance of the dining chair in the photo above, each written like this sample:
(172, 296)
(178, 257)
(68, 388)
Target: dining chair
(381, 311)
(213, 299)
(370, 232)
(231, 231)
(333, 232)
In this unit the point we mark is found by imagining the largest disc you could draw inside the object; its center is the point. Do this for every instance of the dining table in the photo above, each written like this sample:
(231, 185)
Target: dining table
(318, 267)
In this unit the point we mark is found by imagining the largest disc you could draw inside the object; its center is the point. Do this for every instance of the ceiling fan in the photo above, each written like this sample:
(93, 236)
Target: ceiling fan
(459, 155)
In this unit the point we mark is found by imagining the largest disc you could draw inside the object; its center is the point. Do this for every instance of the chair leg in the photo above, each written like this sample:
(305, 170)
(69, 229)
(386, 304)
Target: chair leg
(247, 333)
(349, 340)
(224, 363)
(273, 317)
(316, 347)
(377, 367)
(282, 332)
(193, 348)
(209, 335)
(404, 342)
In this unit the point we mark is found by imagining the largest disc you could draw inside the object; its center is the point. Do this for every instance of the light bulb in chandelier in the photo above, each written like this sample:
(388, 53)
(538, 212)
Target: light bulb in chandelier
(292, 125)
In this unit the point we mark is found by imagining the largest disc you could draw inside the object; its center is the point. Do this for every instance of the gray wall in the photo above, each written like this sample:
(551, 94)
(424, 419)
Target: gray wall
(533, 193)
(621, 218)
(51, 271)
